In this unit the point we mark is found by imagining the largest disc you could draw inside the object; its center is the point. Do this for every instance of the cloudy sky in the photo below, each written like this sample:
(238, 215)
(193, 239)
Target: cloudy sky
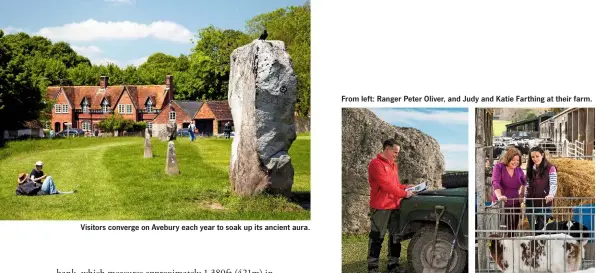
(449, 126)
(128, 31)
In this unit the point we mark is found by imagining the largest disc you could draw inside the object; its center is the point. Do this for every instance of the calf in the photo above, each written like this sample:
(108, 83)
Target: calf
(567, 227)
(543, 253)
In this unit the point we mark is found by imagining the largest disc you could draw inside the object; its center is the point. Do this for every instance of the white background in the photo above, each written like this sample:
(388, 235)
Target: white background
(390, 48)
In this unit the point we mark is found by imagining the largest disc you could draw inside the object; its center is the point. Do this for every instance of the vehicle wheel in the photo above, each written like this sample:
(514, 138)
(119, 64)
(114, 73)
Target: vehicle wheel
(455, 180)
(420, 252)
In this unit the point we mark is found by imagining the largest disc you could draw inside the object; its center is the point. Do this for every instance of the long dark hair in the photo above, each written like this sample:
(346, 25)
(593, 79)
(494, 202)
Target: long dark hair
(540, 169)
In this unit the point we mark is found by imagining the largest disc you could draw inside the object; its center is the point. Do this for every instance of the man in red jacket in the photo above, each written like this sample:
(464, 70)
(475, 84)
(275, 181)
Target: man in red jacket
(385, 195)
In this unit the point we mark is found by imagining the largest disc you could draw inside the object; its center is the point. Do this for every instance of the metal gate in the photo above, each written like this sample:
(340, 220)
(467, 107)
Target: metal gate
(515, 245)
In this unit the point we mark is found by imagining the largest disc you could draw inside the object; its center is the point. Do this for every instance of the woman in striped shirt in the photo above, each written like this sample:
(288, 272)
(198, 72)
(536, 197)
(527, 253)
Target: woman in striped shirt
(542, 187)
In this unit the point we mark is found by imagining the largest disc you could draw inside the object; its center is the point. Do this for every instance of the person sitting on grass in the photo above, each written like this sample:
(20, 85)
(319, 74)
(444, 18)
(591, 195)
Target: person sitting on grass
(47, 186)
(26, 186)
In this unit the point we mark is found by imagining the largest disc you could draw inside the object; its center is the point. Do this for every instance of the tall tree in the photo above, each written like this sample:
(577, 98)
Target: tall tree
(155, 69)
(210, 60)
(292, 26)
(20, 99)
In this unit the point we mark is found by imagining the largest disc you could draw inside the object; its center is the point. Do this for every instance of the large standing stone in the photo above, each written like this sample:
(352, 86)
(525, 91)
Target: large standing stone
(420, 160)
(171, 162)
(262, 96)
(148, 147)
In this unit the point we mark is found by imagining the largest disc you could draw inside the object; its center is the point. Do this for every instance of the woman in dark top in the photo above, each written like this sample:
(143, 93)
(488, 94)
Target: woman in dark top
(542, 187)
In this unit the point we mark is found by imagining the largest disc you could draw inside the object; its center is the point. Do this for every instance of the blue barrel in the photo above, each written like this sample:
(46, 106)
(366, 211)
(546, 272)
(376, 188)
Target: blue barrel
(584, 215)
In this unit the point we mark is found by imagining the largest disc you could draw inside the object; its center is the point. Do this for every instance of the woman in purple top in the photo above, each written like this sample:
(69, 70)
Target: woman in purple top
(509, 183)
(542, 187)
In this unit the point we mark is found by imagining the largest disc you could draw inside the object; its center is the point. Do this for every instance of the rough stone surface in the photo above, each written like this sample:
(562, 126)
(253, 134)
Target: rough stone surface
(169, 132)
(420, 160)
(171, 162)
(262, 97)
(148, 147)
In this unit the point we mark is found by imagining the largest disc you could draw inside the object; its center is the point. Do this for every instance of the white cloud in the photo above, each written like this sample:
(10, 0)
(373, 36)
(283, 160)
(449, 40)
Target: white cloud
(94, 54)
(92, 30)
(86, 50)
(12, 30)
(454, 148)
(409, 116)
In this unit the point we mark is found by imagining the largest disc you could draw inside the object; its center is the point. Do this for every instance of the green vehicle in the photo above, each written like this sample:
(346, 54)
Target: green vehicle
(436, 216)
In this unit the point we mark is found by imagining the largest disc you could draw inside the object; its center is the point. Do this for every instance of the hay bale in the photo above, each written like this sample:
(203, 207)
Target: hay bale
(575, 179)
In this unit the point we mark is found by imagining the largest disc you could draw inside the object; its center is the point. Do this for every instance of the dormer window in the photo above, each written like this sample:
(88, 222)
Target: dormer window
(85, 105)
(149, 106)
(104, 106)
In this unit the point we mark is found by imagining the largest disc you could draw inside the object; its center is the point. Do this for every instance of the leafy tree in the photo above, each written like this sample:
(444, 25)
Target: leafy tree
(210, 60)
(155, 69)
(83, 74)
(20, 99)
(292, 26)
(62, 52)
(130, 76)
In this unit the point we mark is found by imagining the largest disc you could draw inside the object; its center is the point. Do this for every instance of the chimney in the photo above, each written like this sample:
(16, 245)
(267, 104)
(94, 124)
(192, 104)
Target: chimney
(103, 82)
(170, 86)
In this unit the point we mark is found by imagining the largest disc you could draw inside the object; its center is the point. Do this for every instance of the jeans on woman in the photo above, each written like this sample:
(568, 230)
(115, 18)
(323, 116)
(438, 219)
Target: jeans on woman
(48, 186)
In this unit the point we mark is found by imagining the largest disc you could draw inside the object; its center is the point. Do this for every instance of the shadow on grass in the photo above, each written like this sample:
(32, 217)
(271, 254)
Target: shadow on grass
(301, 198)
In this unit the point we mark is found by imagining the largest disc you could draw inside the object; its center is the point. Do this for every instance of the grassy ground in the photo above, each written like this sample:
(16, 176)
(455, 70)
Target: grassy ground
(355, 249)
(115, 182)
(499, 127)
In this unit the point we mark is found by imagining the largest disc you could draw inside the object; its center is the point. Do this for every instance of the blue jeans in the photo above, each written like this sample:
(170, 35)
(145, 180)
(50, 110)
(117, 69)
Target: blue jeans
(48, 186)
(192, 136)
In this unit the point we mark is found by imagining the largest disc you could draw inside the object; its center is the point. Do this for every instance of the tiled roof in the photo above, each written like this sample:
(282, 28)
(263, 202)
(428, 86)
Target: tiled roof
(189, 107)
(221, 109)
(94, 95)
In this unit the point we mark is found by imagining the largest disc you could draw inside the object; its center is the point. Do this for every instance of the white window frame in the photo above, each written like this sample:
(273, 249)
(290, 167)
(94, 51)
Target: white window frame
(104, 106)
(129, 108)
(65, 108)
(58, 108)
(150, 125)
(121, 108)
(172, 115)
(149, 106)
(86, 125)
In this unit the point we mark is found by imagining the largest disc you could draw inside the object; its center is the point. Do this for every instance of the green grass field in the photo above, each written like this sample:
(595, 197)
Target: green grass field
(355, 249)
(499, 127)
(117, 183)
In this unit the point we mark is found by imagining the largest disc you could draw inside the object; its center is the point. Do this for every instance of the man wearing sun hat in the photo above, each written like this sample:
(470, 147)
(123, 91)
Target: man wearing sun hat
(48, 185)
(37, 174)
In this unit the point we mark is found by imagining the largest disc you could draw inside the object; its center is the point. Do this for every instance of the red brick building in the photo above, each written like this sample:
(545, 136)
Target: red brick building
(85, 106)
(212, 117)
(209, 117)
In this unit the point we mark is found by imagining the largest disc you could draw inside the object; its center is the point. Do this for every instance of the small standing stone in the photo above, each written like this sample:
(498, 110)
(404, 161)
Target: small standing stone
(148, 147)
(171, 162)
